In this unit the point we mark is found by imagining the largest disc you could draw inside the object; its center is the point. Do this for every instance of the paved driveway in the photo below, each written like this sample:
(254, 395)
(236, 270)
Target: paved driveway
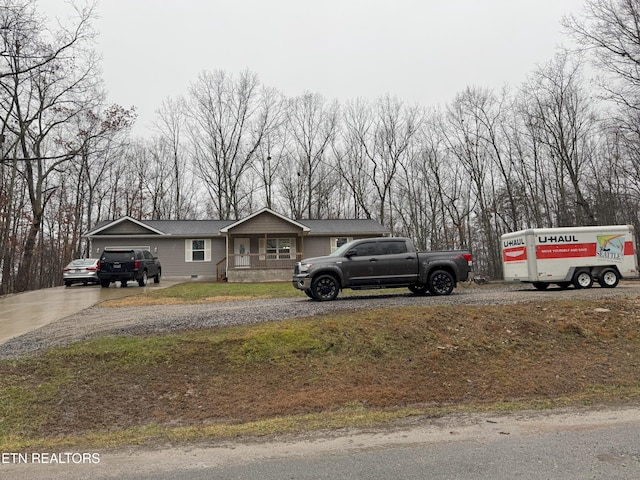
(23, 312)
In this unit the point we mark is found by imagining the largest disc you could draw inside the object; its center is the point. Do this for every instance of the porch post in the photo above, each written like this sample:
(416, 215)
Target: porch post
(226, 268)
(301, 245)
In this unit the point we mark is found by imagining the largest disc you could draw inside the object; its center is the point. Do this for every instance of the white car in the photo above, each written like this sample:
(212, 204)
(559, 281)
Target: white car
(82, 270)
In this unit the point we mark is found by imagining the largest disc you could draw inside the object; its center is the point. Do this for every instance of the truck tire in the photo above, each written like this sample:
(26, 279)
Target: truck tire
(142, 281)
(105, 283)
(582, 279)
(441, 282)
(156, 279)
(324, 288)
(609, 278)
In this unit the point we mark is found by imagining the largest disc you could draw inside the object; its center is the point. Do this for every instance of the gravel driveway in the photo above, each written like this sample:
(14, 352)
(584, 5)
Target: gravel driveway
(99, 320)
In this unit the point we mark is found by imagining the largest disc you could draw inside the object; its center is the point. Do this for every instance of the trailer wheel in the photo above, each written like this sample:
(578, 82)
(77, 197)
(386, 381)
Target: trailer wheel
(582, 279)
(540, 285)
(609, 278)
(564, 285)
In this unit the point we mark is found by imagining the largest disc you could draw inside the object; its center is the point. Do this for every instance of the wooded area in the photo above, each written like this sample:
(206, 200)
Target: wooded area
(562, 149)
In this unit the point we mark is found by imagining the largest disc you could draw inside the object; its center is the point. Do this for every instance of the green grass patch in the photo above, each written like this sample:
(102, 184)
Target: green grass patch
(223, 289)
(200, 292)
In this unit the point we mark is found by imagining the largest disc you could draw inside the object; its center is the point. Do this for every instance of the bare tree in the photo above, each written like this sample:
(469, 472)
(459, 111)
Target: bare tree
(563, 116)
(273, 148)
(470, 135)
(610, 29)
(352, 159)
(312, 125)
(46, 80)
(378, 138)
(229, 119)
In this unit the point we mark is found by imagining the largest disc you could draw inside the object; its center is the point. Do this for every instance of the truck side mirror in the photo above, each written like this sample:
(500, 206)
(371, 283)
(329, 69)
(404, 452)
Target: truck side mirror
(351, 253)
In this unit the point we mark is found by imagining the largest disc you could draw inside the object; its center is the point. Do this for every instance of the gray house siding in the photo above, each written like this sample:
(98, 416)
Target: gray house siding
(171, 252)
(127, 228)
(264, 224)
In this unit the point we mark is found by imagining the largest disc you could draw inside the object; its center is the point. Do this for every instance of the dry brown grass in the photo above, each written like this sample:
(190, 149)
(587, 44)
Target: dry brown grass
(375, 360)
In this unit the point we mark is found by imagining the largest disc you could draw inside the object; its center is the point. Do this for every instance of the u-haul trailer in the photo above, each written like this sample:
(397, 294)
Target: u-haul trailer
(575, 256)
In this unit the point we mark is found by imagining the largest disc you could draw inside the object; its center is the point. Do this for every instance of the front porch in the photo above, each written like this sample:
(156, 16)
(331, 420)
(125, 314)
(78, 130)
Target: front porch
(263, 247)
(260, 267)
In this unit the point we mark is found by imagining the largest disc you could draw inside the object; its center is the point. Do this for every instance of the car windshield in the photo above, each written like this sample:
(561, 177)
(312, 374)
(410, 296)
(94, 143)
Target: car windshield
(341, 250)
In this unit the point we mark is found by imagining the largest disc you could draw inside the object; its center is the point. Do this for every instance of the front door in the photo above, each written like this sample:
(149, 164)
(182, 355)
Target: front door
(242, 250)
(361, 268)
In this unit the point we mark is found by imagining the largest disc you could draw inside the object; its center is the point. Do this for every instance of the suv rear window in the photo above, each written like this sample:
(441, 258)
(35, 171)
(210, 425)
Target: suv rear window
(115, 256)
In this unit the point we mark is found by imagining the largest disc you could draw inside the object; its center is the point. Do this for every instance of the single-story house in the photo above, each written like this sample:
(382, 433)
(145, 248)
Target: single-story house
(261, 247)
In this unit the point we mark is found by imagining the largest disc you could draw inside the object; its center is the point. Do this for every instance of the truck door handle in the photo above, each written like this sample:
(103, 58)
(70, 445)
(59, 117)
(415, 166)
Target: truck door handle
(373, 259)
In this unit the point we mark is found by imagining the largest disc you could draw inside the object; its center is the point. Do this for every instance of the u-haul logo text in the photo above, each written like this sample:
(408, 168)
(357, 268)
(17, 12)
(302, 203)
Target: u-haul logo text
(514, 242)
(558, 239)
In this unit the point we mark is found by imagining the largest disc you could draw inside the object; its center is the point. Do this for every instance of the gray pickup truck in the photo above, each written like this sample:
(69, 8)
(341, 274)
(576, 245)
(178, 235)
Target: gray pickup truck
(382, 263)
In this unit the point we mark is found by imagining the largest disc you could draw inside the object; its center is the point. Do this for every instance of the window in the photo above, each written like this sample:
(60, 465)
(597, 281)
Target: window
(393, 247)
(337, 242)
(198, 250)
(277, 248)
(367, 249)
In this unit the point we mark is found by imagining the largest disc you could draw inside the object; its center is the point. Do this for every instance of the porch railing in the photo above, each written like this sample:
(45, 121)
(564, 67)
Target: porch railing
(258, 261)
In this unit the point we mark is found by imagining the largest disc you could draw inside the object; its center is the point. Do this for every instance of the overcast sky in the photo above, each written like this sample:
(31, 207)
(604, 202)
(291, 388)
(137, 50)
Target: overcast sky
(422, 51)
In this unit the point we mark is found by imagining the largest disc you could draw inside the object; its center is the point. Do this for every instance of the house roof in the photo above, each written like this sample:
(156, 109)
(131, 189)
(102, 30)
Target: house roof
(184, 227)
(167, 227)
(112, 223)
(345, 227)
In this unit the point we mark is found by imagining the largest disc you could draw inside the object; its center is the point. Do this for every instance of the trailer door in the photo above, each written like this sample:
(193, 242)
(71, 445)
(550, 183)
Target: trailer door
(515, 257)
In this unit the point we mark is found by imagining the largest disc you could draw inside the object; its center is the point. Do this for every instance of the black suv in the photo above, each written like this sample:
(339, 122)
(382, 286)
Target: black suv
(128, 264)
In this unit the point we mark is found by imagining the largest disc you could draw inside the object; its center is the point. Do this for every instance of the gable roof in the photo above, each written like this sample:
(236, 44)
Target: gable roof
(260, 212)
(112, 223)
